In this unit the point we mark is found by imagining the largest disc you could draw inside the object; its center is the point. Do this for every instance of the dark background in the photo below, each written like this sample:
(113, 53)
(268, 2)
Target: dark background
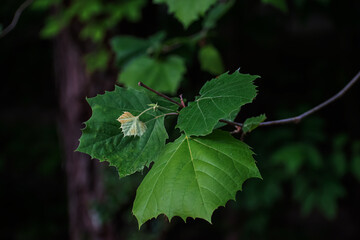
(303, 57)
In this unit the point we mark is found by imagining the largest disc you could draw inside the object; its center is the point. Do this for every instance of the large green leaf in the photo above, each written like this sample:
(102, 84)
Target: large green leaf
(103, 139)
(219, 97)
(162, 75)
(194, 176)
(187, 11)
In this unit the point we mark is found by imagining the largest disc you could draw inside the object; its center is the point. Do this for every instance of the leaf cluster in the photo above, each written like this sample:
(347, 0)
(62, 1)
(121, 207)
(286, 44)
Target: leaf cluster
(192, 176)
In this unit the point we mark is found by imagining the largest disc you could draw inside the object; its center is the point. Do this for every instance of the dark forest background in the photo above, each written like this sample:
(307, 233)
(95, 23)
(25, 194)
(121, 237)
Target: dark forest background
(311, 170)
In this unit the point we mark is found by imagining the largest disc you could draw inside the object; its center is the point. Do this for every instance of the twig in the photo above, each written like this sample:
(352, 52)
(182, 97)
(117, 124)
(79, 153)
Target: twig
(159, 94)
(300, 117)
(16, 17)
(236, 124)
(296, 119)
(182, 101)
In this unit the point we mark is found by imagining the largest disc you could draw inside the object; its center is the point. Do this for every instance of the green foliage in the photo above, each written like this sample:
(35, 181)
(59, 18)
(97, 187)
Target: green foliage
(216, 13)
(103, 139)
(44, 4)
(295, 155)
(194, 176)
(187, 11)
(252, 123)
(97, 60)
(97, 15)
(318, 193)
(219, 98)
(210, 60)
(280, 4)
(338, 157)
(164, 75)
(128, 48)
(355, 162)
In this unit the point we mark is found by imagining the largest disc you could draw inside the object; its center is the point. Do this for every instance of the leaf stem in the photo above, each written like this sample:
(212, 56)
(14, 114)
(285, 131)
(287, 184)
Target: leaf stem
(159, 94)
(144, 111)
(182, 101)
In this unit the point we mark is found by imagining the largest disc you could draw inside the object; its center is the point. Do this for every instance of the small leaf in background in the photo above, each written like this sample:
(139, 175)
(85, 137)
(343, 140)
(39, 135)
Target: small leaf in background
(127, 48)
(216, 13)
(53, 26)
(97, 60)
(252, 123)
(89, 10)
(194, 176)
(320, 193)
(218, 98)
(103, 139)
(294, 156)
(210, 60)
(187, 11)
(355, 162)
(94, 31)
(43, 4)
(338, 156)
(280, 4)
(161, 75)
(131, 125)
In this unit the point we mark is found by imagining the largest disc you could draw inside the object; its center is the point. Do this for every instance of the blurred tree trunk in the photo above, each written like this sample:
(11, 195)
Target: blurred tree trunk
(84, 183)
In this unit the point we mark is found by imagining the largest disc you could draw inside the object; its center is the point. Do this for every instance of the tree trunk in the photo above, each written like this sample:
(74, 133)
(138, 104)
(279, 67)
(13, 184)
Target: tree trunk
(84, 184)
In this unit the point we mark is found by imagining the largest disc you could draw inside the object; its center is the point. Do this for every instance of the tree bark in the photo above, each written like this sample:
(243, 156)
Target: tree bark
(84, 184)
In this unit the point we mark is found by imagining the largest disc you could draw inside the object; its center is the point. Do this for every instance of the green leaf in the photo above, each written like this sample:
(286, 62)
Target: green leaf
(103, 139)
(252, 123)
(162, 75)
(194, 176)
(280, 4)
(187, 11)
(219, 97)
(210, 60)
(127, 48)
(97, 60)
(216, 13)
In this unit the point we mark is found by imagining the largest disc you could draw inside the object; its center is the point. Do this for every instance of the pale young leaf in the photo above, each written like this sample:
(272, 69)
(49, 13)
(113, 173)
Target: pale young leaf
(131, 125)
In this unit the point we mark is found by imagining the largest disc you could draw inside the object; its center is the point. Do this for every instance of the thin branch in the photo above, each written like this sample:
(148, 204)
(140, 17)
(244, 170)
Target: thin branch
(300, 117)
(236, 124)
(16, 17)
(296, 119)
(159, 94)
